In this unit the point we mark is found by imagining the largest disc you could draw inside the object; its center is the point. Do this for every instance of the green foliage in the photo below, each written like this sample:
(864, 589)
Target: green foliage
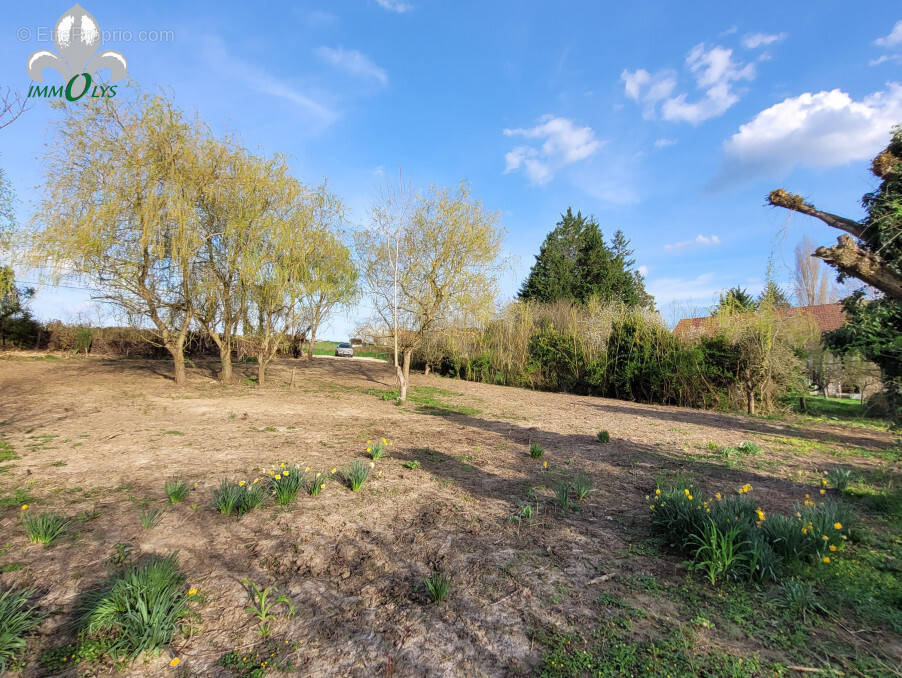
(437, 586)
(575, 263)
(139, 609)
(7, 453)
(83, 339)
(356, 474)
(413, 464)
(839, 478)
(17, 618)
(603, 437)
(798, 597)
(176, 490)
(377, 449)
(717, 553)
(736, 300)
(286, 484)
(582, 486)
(315, 483)
(262, 606)
(256, 662)
(873, 330)
(239, 498)
(44, 528)
(763, 547)
(562, 495)
(536, 451)
(151, 517)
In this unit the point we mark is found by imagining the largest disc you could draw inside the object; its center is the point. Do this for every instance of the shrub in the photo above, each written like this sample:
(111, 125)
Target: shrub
(286, 484)
(839, 478)
(176, 490)
(139, 609)
(17, 618)
(604, 437)
(536, 451)
(437, 586)
(239, 498)
(356, 474)
(44, 528)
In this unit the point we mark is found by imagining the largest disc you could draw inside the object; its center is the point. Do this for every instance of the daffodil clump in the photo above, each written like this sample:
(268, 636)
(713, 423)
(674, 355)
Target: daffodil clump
(285, 482)
(238, 497)
(766, 544)
(315, 483)
(376, 449)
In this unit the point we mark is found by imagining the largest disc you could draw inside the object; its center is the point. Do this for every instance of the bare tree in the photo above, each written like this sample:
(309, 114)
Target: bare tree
(811, 280)
(12, 106)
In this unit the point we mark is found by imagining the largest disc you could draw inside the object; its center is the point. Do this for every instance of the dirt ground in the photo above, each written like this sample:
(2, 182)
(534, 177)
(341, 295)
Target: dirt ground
(96, 439)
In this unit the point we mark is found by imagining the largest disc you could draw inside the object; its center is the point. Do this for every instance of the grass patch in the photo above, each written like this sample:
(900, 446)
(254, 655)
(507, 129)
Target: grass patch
(7, 453)
(428, 400)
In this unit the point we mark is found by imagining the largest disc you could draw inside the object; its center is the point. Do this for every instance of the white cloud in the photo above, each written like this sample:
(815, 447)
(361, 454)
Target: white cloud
(398, 6)
(215, 53)
(656, 87)
(643, 270)
(564, 143)
(664, 143)
(699, 240)
(822, 129)
(883, 59)
(756, 40)
(893, 39)
(353, 62)
(715, 72)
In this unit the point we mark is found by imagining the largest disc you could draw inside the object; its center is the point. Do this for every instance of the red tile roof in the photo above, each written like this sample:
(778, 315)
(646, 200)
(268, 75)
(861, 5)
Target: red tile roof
(827, 316)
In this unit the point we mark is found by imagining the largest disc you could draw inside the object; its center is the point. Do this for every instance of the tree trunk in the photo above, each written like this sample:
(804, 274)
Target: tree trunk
(178, 359)
(261, 371)
(404, 374)
(311, 343)
(225, 359)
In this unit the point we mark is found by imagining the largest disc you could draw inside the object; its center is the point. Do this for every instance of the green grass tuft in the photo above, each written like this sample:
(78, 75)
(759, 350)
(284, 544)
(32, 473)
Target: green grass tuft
(17, 618)
(138, 610)
(44, 528)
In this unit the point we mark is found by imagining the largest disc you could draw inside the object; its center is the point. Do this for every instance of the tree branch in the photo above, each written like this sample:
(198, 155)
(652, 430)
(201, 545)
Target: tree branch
(791, 201)
(847, 257)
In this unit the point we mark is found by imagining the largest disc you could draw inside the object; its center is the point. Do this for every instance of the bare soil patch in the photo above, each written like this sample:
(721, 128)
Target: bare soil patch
(97, 438)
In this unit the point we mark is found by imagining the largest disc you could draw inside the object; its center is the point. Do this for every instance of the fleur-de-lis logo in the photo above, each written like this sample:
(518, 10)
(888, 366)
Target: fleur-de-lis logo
(77, 37)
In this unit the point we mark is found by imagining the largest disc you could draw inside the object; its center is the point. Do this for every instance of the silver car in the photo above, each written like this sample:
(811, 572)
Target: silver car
(344, 351)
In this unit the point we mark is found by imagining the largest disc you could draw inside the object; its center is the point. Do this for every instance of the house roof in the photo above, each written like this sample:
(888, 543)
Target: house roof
(828, 317)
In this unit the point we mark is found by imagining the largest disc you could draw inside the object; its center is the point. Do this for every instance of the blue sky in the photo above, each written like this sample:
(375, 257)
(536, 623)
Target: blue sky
(670, 121)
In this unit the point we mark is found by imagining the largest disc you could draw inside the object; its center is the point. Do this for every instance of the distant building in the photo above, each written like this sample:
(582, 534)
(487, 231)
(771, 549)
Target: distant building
(827, 317)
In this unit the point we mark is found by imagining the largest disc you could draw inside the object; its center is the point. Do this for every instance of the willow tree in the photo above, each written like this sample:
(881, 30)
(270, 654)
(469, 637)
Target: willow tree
(447, 262)
(273, 298)
(331, 273)
(240, 198)
(117, 212)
